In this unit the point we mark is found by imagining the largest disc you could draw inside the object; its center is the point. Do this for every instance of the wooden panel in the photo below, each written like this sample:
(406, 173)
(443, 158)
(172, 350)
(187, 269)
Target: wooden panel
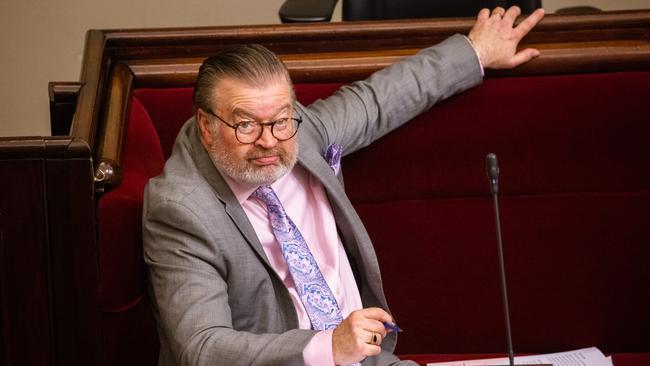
(48, 254)
(63, 101)
(74, 258)
(25, 301)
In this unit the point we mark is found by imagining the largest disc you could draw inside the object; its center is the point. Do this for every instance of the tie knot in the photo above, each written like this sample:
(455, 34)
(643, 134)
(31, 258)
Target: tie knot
(267, 195)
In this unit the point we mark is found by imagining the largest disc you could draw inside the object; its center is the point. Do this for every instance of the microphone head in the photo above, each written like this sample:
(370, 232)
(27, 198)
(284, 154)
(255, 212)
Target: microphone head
(492, 169)
(492, 166)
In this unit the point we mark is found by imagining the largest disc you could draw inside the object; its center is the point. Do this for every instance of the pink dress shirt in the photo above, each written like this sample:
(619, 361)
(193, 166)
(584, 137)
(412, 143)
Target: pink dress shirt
(305, 201)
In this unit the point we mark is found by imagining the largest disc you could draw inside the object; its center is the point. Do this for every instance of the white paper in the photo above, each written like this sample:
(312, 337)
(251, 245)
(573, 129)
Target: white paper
(581, 357)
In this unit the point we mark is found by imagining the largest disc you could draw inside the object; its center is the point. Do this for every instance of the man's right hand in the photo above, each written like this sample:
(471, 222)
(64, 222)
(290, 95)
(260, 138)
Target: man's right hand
(352, 340)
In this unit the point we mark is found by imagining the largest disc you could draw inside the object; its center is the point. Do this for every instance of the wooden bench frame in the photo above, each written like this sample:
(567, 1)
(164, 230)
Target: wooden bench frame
(116, 61)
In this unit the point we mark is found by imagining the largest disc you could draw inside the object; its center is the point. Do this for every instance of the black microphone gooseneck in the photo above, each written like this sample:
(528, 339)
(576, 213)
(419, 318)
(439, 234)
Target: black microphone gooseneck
(492, 167)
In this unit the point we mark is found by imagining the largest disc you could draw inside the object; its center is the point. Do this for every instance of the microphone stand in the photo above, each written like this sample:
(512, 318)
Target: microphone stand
(492, 168)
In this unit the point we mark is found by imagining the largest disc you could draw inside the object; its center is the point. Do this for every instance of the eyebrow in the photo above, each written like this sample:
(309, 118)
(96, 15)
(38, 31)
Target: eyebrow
(238, 112)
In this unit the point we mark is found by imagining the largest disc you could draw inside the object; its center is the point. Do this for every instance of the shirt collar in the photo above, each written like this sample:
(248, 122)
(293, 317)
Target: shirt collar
(243, 191)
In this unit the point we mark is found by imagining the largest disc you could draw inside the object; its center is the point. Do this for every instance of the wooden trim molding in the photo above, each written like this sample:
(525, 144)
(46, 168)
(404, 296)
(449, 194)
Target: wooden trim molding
(63, 91)
(93, 70)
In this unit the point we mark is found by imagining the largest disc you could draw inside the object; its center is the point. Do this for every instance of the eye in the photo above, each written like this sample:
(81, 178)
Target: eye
(246, 127)
(281, 124)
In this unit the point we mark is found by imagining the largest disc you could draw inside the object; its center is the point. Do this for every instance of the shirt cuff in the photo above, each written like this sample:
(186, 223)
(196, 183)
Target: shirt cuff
(319, 349)
(477, 55)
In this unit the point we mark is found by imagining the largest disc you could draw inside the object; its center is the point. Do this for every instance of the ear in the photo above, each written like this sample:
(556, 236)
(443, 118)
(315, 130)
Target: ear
(204, 127)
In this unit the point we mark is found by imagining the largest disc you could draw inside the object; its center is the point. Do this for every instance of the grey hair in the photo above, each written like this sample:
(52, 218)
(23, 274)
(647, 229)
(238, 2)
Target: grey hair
(251, 63)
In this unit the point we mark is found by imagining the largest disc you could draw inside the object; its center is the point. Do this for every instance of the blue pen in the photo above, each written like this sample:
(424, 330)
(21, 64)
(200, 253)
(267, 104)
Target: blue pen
(392, 327)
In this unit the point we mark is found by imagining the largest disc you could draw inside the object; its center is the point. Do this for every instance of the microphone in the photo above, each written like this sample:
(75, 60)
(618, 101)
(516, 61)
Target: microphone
(492, 169)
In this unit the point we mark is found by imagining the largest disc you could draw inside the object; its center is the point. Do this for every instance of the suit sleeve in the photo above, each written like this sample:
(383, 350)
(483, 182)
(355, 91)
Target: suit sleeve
(187, 278)
(364, 111)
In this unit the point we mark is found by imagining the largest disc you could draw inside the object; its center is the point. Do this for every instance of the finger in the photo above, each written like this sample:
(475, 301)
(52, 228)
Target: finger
(370, 319)
(529, 23)
(483, 14)
(374, 338)
(375, 326)
(373, 345)
(372, 350)
(365, 326)
(498, 11)
(377, 340)
(511, 14)
(377, 314)
(523, 56)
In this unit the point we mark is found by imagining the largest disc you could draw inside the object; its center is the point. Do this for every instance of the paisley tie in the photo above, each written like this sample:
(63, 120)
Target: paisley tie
(315, 294)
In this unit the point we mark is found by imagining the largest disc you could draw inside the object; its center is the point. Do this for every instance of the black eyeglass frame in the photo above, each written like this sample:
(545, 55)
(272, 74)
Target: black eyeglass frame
(272, 124)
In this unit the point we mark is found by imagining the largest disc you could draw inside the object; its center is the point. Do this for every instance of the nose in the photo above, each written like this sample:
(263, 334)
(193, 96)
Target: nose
(266, 140)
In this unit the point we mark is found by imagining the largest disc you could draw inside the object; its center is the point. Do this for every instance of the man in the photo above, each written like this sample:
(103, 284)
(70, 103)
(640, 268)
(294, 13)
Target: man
(255, 254)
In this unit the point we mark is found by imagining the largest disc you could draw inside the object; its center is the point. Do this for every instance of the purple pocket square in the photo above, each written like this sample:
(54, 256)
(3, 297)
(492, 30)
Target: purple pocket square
(333, 157)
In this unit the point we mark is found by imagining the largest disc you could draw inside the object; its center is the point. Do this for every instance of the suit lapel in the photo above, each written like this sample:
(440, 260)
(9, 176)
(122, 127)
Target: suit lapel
(224, 194)
(313, 162)
(355, 238)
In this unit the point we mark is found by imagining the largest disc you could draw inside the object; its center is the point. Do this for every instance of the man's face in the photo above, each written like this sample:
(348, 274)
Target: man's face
(265, 160)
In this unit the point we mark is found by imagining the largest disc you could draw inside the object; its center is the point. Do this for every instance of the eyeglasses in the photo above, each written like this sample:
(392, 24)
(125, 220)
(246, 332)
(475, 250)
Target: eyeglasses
(247, 132)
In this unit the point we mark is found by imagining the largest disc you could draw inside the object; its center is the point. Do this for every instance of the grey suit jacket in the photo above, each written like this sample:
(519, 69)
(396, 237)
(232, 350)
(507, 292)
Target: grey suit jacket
(216, 298)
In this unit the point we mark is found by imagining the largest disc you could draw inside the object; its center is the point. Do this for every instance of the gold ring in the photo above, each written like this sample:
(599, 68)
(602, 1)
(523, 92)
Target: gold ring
(373, 340)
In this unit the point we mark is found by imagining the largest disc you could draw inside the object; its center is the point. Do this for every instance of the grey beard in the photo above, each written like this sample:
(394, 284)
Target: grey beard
(247, 174)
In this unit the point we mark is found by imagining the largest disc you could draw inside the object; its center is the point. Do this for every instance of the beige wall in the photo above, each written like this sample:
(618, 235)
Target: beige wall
(43, 41)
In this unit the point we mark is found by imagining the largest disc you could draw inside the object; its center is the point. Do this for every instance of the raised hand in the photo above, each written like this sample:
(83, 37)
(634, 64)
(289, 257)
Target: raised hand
(495, 37)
